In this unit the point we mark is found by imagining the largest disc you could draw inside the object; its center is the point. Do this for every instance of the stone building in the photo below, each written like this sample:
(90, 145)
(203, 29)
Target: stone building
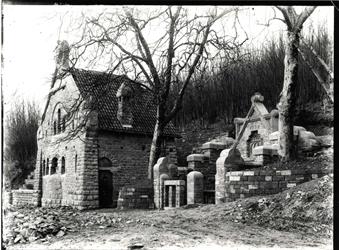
(94, 138)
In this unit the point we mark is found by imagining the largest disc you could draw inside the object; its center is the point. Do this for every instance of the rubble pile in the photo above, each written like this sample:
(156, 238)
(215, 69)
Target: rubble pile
(307, 207)
(31, 224)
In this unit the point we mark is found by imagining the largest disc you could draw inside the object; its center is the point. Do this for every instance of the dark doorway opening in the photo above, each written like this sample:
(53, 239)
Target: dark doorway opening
(105, 188)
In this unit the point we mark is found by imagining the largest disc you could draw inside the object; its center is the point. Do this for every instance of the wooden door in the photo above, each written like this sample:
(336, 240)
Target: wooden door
(105, 188)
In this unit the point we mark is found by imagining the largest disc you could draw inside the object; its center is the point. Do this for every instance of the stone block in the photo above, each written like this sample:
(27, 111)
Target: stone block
(248, 173)
(268, 178)
(289, 185)
(285, 172)
(252, 187)
(264, 150)
(196, 157)
(234, 178)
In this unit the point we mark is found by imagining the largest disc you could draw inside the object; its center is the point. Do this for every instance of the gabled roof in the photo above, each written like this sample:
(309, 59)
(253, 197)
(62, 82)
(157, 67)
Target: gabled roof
(100, 89)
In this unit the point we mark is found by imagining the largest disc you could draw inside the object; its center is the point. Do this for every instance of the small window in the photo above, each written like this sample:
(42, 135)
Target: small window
(47, 167)
(44, 168)
(62, 165)
(63, 124)
(75, 163)
(59, 120)
(55, 127)
(143, 147)
(54, 165)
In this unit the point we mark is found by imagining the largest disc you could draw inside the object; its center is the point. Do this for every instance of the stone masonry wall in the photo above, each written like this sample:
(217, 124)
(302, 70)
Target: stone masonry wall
(242, 184)
(25, 197)
(129, 156)
(62, 189)
(67, 188)
(252, 126)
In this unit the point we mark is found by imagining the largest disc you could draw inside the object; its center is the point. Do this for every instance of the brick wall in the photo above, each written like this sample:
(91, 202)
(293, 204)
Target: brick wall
(25, 197)
(242, 184)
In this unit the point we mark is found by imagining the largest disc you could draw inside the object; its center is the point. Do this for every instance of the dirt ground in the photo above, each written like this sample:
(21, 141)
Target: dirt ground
(226, 226)
(178, 229)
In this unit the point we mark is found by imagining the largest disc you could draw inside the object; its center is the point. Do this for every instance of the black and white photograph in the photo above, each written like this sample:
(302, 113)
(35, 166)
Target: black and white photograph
(206, 126)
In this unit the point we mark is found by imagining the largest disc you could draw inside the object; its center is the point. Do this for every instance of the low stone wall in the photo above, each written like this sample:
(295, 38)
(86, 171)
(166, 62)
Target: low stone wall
(24, 197)
(242, 184)
(135, 197)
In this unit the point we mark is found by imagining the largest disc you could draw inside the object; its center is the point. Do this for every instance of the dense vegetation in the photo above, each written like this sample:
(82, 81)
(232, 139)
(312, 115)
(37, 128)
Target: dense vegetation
(222, 94)
(21, 145)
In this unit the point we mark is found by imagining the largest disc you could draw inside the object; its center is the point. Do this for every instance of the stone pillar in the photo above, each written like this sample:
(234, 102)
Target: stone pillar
(195, 187)
(212, 150)
(170, 196)
(161, 167)
(180, 194)
(161, 192)
(197, 162)
(228, 161)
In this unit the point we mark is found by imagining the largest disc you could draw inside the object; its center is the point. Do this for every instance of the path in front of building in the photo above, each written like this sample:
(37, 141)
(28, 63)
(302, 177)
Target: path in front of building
(179, 229)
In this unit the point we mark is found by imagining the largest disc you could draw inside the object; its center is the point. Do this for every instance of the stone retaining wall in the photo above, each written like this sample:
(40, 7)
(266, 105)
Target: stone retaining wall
(242, 184)
(24, 197)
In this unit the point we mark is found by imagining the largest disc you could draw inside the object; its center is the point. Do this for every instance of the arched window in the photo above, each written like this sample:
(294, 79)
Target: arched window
(55, 127)
(75, 163)
(44, 168)
(54, 165)
(105, 163)
(63, 124)
(62, 165)
(47, 167)
(59, 120)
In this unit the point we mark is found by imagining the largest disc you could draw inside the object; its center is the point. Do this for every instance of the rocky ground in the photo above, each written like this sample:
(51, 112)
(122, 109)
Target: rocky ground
(300, 217)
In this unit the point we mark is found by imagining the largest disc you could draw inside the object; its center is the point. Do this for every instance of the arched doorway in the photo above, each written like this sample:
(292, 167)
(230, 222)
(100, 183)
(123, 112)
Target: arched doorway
(105, 183)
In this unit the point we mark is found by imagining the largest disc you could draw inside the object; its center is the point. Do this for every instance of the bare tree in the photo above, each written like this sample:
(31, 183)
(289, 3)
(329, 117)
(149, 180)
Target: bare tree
(327, 83)
(286, 105)
(179, 45)
(20, 144)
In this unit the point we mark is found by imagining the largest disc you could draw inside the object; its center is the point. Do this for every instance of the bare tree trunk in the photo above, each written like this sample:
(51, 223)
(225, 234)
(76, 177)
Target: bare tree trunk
(287, 101)
(155, 148)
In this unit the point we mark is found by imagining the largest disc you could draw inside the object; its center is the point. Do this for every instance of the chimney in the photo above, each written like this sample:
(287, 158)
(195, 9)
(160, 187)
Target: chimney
(62, 56)
(124, 114)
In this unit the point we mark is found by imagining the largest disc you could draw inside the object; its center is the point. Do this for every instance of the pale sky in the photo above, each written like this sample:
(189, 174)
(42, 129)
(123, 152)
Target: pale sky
(30, 34)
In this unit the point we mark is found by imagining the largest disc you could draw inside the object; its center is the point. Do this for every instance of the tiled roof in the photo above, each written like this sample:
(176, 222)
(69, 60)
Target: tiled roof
(101, 89)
